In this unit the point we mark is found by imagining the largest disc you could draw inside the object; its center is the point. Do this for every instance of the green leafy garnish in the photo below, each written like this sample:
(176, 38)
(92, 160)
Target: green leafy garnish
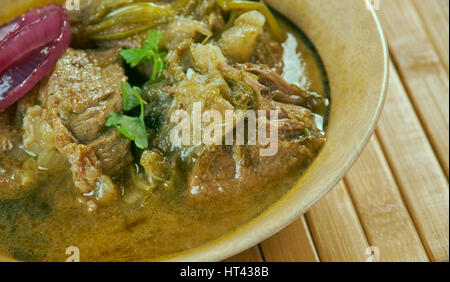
(131, 96)
(149, 53)
(131, 127)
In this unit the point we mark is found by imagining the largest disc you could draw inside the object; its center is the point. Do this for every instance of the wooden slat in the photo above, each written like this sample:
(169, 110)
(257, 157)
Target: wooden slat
(404, 210)
(421, 70)
(250, 255)
(336, 230)
(292, 244)
(421, 181)
(434, 16)
(380, 207)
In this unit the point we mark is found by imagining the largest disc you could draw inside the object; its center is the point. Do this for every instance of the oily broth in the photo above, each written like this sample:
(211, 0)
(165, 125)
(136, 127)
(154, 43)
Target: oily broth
(42, 225)
(42, 230)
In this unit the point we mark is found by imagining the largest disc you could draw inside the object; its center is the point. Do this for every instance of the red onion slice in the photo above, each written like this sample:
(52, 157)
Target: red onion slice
(29, 48)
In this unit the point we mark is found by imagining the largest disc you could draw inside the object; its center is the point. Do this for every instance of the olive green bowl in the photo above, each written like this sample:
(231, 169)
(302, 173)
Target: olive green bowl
(350, 41)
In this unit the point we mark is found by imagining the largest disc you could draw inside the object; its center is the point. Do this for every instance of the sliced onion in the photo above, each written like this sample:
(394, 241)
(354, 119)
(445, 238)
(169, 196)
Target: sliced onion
(29, 48)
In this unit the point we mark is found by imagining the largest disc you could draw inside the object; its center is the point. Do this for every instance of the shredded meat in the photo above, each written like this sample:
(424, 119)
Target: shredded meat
(280, 90)
(237, 170)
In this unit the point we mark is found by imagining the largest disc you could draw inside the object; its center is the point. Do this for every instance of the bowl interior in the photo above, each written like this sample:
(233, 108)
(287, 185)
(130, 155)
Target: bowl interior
(351, 44)
(350, 41)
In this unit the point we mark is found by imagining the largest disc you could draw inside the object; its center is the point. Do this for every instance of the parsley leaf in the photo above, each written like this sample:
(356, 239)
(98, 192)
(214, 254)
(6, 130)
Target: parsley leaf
(152, 41)
(149, 53)
(134, 56)
(134, 127)
(131, 97)
(131, 127)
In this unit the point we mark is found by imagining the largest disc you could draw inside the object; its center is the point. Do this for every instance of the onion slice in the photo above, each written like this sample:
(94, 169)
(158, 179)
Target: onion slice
(29, 48)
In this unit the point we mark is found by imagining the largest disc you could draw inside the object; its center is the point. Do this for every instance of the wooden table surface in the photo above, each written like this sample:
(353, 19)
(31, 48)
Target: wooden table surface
(396, 197)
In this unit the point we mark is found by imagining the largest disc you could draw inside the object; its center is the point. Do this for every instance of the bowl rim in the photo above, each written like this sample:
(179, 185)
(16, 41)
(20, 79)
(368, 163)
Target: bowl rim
(229, 247)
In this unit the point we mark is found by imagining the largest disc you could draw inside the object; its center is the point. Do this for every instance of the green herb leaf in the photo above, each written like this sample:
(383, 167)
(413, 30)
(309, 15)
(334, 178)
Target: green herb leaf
(132, 127)
(152, 41)
(159, 65)
(149, 53)
(131, 97)
(133, 56)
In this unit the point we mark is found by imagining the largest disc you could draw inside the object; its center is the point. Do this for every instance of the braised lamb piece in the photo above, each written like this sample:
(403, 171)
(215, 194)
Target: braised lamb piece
(79, 96)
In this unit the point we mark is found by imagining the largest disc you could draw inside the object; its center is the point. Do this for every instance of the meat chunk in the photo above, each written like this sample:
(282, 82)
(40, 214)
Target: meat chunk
(113, 150)
(280, 90)
(237, 170)
(83, 90)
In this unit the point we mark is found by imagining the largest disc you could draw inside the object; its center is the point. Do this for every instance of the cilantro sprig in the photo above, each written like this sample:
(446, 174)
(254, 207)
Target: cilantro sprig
(148, 53)
(131, 127)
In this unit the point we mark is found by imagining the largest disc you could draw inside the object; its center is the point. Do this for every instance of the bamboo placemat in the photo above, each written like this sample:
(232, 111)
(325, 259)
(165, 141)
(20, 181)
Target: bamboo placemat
(396, 197)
